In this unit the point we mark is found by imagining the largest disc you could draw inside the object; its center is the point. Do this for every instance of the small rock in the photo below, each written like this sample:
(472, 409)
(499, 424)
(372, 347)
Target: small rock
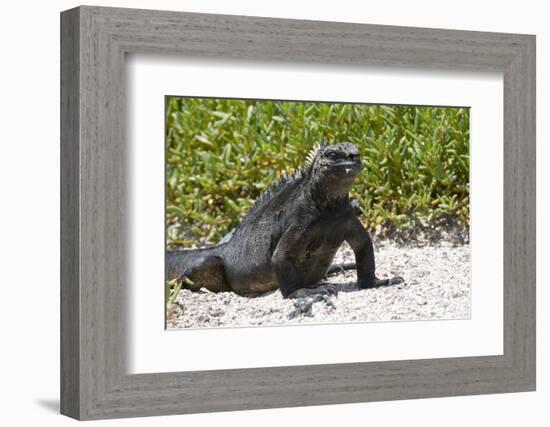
(216, 312)
(203, 319)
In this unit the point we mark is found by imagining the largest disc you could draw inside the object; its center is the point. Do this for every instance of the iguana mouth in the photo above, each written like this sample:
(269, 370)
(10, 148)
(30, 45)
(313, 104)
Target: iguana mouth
(347, 165)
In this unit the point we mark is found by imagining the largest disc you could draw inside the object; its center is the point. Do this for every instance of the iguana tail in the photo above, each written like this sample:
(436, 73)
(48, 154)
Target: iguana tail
(198, 268)
(180, 262)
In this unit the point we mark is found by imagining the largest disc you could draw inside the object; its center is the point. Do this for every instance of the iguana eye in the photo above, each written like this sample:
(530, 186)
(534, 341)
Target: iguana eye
(332, 155)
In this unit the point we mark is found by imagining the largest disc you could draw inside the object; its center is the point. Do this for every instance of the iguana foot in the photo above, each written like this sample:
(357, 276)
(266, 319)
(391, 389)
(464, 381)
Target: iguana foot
(303, 305)
(375, 283)
(306, 297)
(324, 289)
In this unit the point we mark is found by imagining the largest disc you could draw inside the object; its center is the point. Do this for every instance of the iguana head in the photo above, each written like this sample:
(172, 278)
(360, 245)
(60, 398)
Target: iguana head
(338, 160)
(333, 168)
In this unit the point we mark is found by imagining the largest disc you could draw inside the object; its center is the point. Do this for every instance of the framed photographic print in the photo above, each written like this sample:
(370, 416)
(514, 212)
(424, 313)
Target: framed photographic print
(226, 144)
(298, 212)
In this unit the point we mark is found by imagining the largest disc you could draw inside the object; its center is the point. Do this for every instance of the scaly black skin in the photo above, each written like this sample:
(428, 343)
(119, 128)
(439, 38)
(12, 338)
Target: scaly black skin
(288, 239)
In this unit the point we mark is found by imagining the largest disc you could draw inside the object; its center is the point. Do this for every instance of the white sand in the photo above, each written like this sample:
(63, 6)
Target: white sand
(437, 286)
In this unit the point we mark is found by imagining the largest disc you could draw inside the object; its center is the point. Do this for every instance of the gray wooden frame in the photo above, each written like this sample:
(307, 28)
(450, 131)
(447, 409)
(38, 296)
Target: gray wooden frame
(94, 41)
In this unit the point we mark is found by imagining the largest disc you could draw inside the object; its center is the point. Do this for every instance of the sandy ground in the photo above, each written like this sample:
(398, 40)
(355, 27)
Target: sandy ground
(437, 286)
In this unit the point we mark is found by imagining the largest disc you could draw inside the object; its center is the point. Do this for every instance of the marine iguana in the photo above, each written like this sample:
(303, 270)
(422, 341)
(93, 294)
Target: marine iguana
(289, 237)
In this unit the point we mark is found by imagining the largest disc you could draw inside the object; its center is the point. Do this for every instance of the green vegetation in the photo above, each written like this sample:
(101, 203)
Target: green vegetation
(221, 154)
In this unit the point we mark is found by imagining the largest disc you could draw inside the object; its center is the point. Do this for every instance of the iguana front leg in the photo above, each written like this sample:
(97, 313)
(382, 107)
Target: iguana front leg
(291, 269)
(291, 277)
(361, 243)
(284, 260)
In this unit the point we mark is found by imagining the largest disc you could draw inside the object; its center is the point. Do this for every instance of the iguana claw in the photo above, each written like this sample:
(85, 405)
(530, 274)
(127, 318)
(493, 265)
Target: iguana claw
(375, 283)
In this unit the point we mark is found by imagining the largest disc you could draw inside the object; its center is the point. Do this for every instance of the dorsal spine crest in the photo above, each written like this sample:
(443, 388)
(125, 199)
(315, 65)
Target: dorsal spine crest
(286, 179)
